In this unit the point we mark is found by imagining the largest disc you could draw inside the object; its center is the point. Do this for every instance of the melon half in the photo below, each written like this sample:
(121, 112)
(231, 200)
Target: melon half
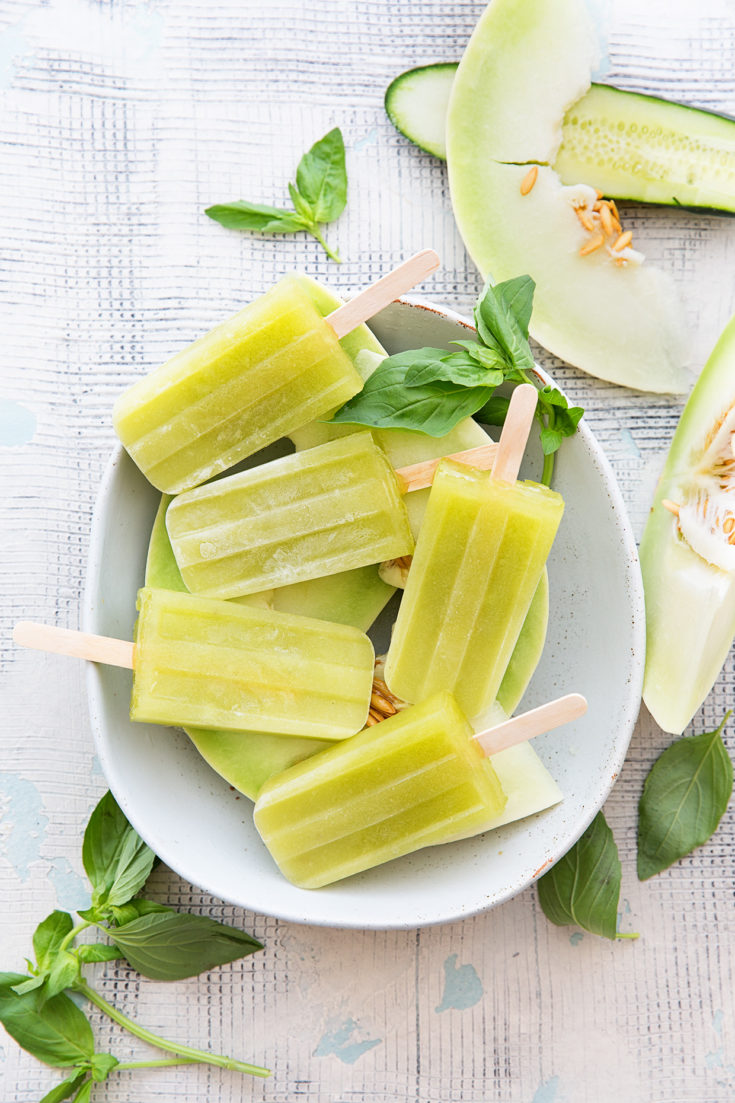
(605, 311)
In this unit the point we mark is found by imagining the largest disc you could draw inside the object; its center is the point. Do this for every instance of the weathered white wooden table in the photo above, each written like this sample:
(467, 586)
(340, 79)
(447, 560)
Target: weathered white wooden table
(121, 121)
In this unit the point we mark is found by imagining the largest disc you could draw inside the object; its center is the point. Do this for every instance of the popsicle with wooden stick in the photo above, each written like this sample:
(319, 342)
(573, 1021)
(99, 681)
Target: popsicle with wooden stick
(318, 512)
(214, 664)
(482, 547)
(417, 779)
(271, 368)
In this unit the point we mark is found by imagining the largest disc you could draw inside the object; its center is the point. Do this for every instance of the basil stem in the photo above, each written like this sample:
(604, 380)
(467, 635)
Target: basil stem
(152, 1039)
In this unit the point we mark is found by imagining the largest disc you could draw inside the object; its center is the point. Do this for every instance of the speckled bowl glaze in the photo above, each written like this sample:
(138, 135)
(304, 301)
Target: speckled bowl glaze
(204, 830)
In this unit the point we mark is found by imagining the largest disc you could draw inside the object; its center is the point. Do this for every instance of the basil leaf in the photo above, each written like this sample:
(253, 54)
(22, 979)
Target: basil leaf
(171, 945)
(48, 936)
(63, 972)
(29, 984)
(494, 412)
(241, 215)
(321, 177)
(385, 402)
(115, 858)
(127, 912)
(517, 295)
(302, 208)
(66, 1088)
(102, 1065)
(56, 1032)
(454, 367)
(550, 440)
(85, 1092)
(497, 324)
(683, 800)
(583, 888)
(96, 951)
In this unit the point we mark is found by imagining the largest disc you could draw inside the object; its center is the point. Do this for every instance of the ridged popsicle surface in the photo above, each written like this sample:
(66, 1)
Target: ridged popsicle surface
(478, 560)
(411, 781)
(269, 369)
(318, 512)
(205, 663)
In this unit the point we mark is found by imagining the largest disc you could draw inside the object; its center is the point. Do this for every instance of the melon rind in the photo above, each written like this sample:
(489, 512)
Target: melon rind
(690, 604)
(619, 323)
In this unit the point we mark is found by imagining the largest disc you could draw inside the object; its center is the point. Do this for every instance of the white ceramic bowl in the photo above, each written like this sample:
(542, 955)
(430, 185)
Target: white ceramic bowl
(595, 646)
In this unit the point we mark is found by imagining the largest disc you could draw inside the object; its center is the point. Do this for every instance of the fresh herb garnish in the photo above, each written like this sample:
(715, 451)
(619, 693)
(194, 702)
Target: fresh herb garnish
(683, 800)
(583, 888)
(430, 390)
(319, 195)
(157, 941)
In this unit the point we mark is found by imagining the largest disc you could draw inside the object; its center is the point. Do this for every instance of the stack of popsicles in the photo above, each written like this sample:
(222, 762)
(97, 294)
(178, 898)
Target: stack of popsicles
(226, 653)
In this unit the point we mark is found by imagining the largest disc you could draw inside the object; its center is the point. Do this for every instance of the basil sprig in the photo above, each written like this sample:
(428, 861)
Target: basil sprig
(583, 888)
(683, 800)
(156, 940)
(430, 390)
(319, 195)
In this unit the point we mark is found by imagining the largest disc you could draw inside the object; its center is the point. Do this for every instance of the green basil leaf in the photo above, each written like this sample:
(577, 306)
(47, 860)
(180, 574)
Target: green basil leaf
(583, 888)
(321, 177)
(494, 412)
(96, 951)
(102, 1065)
(66, 1088)
(241, 215)
(115, 858)
(56, 1032)
(48, 936)
(455, 367)
(85, 1092)
(63, 973)
(550, 440)
(490, 358)
(29, 984)
(517, 295)
(134, 908)
(172, 945)
(683, 800)
(385, 402)
(302, 208)
(498, 326)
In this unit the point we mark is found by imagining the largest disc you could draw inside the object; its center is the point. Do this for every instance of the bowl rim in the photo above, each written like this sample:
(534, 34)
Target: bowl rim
(630, 703)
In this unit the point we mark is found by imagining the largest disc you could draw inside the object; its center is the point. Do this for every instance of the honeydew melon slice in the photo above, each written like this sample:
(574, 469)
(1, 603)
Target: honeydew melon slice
(690, 594)
(605, 312)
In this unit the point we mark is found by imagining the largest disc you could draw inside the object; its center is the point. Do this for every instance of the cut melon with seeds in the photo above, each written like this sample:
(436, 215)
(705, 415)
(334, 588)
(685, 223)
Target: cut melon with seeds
(596, 305)
(687, 558)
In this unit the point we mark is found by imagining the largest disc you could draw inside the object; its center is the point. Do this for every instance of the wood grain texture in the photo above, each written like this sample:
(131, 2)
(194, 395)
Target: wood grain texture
(121, 122)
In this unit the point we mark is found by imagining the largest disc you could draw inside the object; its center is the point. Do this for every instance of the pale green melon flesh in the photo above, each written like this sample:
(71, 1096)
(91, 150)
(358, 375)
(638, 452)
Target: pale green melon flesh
(620, 323)
(690, 604)
(639, 147)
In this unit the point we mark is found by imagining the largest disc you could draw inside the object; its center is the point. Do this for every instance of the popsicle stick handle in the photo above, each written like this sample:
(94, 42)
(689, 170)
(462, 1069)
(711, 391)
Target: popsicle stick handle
(529, 724)
(79, 645)
(418, 476)
(517, 426)
(384, 291)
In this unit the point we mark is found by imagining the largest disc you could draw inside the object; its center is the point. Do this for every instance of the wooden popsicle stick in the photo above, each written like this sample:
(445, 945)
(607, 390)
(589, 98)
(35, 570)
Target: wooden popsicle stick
(529, 724)
(374, 298)
(79, 645)
(417, 476)
(514, 436)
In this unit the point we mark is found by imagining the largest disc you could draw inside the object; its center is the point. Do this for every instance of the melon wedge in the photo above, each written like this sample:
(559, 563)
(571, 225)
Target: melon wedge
(605, 312)
(690, 601)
